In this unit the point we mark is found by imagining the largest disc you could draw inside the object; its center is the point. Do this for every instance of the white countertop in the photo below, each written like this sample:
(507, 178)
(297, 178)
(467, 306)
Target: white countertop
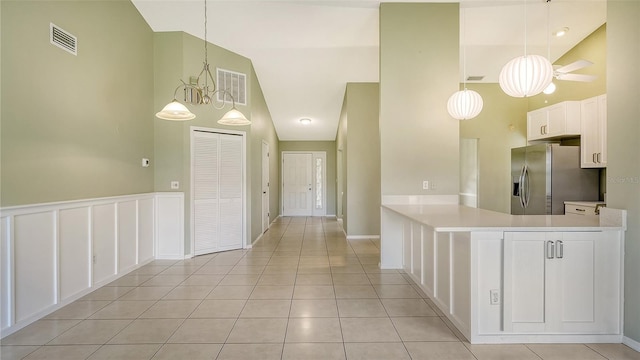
(463, 218)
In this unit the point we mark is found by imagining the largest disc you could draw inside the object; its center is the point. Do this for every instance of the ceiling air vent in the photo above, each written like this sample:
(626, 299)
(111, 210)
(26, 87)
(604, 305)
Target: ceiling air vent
(63, 39)
(475, 77)
(233, 82)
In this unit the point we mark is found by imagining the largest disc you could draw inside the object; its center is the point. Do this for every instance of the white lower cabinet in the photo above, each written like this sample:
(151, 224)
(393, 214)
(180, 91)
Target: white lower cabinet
(562, 282)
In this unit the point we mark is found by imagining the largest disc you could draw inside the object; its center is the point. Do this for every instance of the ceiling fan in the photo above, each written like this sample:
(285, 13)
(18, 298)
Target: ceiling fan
(564, 72)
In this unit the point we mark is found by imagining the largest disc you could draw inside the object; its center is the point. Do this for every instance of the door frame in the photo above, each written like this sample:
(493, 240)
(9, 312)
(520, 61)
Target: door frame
(265, 227)
(191, 195)
(314, 155)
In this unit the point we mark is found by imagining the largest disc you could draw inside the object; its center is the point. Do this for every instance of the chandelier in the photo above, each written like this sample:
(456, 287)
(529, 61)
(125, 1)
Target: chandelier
(202, 94)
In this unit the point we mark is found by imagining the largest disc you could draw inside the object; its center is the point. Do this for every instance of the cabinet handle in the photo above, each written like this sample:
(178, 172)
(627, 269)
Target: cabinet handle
(595, 158)
(581, 210)
(550, 250)
(598, 157)
(560, 249)
(541, 130)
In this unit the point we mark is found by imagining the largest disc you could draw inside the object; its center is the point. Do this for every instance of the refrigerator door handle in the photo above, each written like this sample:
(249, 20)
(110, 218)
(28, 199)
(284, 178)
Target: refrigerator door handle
(526, 189)
(521, 192)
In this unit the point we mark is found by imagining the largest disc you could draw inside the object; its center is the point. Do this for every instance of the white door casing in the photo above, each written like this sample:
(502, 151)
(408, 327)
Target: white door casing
(218, 204)
(265, 186)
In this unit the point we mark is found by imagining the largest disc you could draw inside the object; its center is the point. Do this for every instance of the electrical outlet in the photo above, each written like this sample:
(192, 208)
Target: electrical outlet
(425, 185)
(175, 185)
(494, 296)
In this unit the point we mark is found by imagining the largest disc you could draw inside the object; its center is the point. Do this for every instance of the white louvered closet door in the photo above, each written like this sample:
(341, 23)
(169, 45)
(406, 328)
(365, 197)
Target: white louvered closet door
(217, 192)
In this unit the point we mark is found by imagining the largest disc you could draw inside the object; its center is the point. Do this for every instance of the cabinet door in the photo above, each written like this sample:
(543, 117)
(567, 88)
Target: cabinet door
(602, 129)
(536, 124)
(556, 119)
(524, 282)
(585, 286)
(589, 142)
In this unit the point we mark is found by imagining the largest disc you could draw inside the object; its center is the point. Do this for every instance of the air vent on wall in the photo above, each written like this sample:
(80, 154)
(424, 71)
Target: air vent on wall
(475, 77)
(233, 82)
(63, 39)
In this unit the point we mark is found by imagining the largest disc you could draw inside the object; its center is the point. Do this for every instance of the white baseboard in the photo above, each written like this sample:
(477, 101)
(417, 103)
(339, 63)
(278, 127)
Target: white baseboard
(631, 343)
(359, 237)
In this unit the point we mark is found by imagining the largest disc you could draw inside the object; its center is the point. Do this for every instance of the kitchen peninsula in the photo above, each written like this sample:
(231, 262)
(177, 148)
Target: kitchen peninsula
(504, 278)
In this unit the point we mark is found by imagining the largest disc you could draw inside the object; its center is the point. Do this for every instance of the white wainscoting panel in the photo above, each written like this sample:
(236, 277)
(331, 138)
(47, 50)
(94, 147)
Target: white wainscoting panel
(145, 229)
(75, 251)
(6, 273)
(34, 265)
(169, 231)
(127, 236)
(104, 242)
(52, 254)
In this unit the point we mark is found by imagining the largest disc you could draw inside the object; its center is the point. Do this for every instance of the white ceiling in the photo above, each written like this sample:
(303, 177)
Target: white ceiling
(304, 52)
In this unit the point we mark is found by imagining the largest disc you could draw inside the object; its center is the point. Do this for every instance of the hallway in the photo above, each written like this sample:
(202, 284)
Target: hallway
(302, 292)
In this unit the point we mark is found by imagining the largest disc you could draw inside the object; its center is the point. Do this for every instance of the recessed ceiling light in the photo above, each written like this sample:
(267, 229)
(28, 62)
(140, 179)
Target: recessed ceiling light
(305, 121)
(561, 32)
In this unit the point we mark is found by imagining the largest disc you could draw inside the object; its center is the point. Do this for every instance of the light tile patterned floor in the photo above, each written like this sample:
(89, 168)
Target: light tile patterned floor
(303, 292)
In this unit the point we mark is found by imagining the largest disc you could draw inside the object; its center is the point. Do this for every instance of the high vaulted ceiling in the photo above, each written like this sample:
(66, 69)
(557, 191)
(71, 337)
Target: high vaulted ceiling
(304, 52)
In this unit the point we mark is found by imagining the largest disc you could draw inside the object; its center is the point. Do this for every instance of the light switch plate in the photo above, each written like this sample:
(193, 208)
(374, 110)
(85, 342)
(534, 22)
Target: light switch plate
(175, 185)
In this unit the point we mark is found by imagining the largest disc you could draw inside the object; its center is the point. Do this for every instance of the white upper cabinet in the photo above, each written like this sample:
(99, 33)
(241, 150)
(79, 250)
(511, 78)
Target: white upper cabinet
(594, 132)
(555, 121)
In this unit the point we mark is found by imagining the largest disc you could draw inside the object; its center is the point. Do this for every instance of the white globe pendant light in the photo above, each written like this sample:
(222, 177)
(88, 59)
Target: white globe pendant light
(465, 104)
(526, 76)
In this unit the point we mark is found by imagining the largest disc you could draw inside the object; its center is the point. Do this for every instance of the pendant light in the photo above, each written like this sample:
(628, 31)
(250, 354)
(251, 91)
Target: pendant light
(203, 94)
(526, 75)
(464, 104)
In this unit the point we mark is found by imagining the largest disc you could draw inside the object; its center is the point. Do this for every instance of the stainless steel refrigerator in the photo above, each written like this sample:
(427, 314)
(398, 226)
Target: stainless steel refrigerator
(544, 176)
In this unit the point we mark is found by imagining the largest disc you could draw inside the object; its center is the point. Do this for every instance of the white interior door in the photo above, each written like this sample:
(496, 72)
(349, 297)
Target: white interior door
(265, 186)
(217, 172)
(297, 184)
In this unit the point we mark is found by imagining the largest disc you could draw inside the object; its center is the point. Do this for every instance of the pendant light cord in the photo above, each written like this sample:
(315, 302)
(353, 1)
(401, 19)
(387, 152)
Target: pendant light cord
(464, 50)
(525, 28)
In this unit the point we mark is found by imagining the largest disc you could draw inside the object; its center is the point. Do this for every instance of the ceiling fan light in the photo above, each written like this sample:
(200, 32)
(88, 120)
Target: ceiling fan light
(235, 118)
(550, 89)
(175, 111)
(526, 76)
(465, 104)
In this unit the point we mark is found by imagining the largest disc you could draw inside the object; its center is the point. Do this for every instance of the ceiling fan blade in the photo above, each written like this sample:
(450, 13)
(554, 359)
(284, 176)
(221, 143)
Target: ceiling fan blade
(576, 65)
(576, 77)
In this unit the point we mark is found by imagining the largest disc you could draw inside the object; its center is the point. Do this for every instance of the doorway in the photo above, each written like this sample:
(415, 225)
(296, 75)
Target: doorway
(469, 172)
(304, 183)
(218, 202)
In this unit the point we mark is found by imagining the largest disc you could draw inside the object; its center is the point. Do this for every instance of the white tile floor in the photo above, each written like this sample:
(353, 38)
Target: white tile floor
(303, 292)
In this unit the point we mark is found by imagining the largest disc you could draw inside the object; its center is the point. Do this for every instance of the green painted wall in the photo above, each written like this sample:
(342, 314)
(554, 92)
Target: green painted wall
(262, 129)
(419, 59)
(592, 48)
(75, 127)
(330, 148)
(362, 165)
(341, 166)
(501, 126)
(179, 56)
(623, 132)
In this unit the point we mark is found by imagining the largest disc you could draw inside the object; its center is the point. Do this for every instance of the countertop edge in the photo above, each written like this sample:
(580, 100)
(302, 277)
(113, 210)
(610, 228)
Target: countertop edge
(420, 213)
